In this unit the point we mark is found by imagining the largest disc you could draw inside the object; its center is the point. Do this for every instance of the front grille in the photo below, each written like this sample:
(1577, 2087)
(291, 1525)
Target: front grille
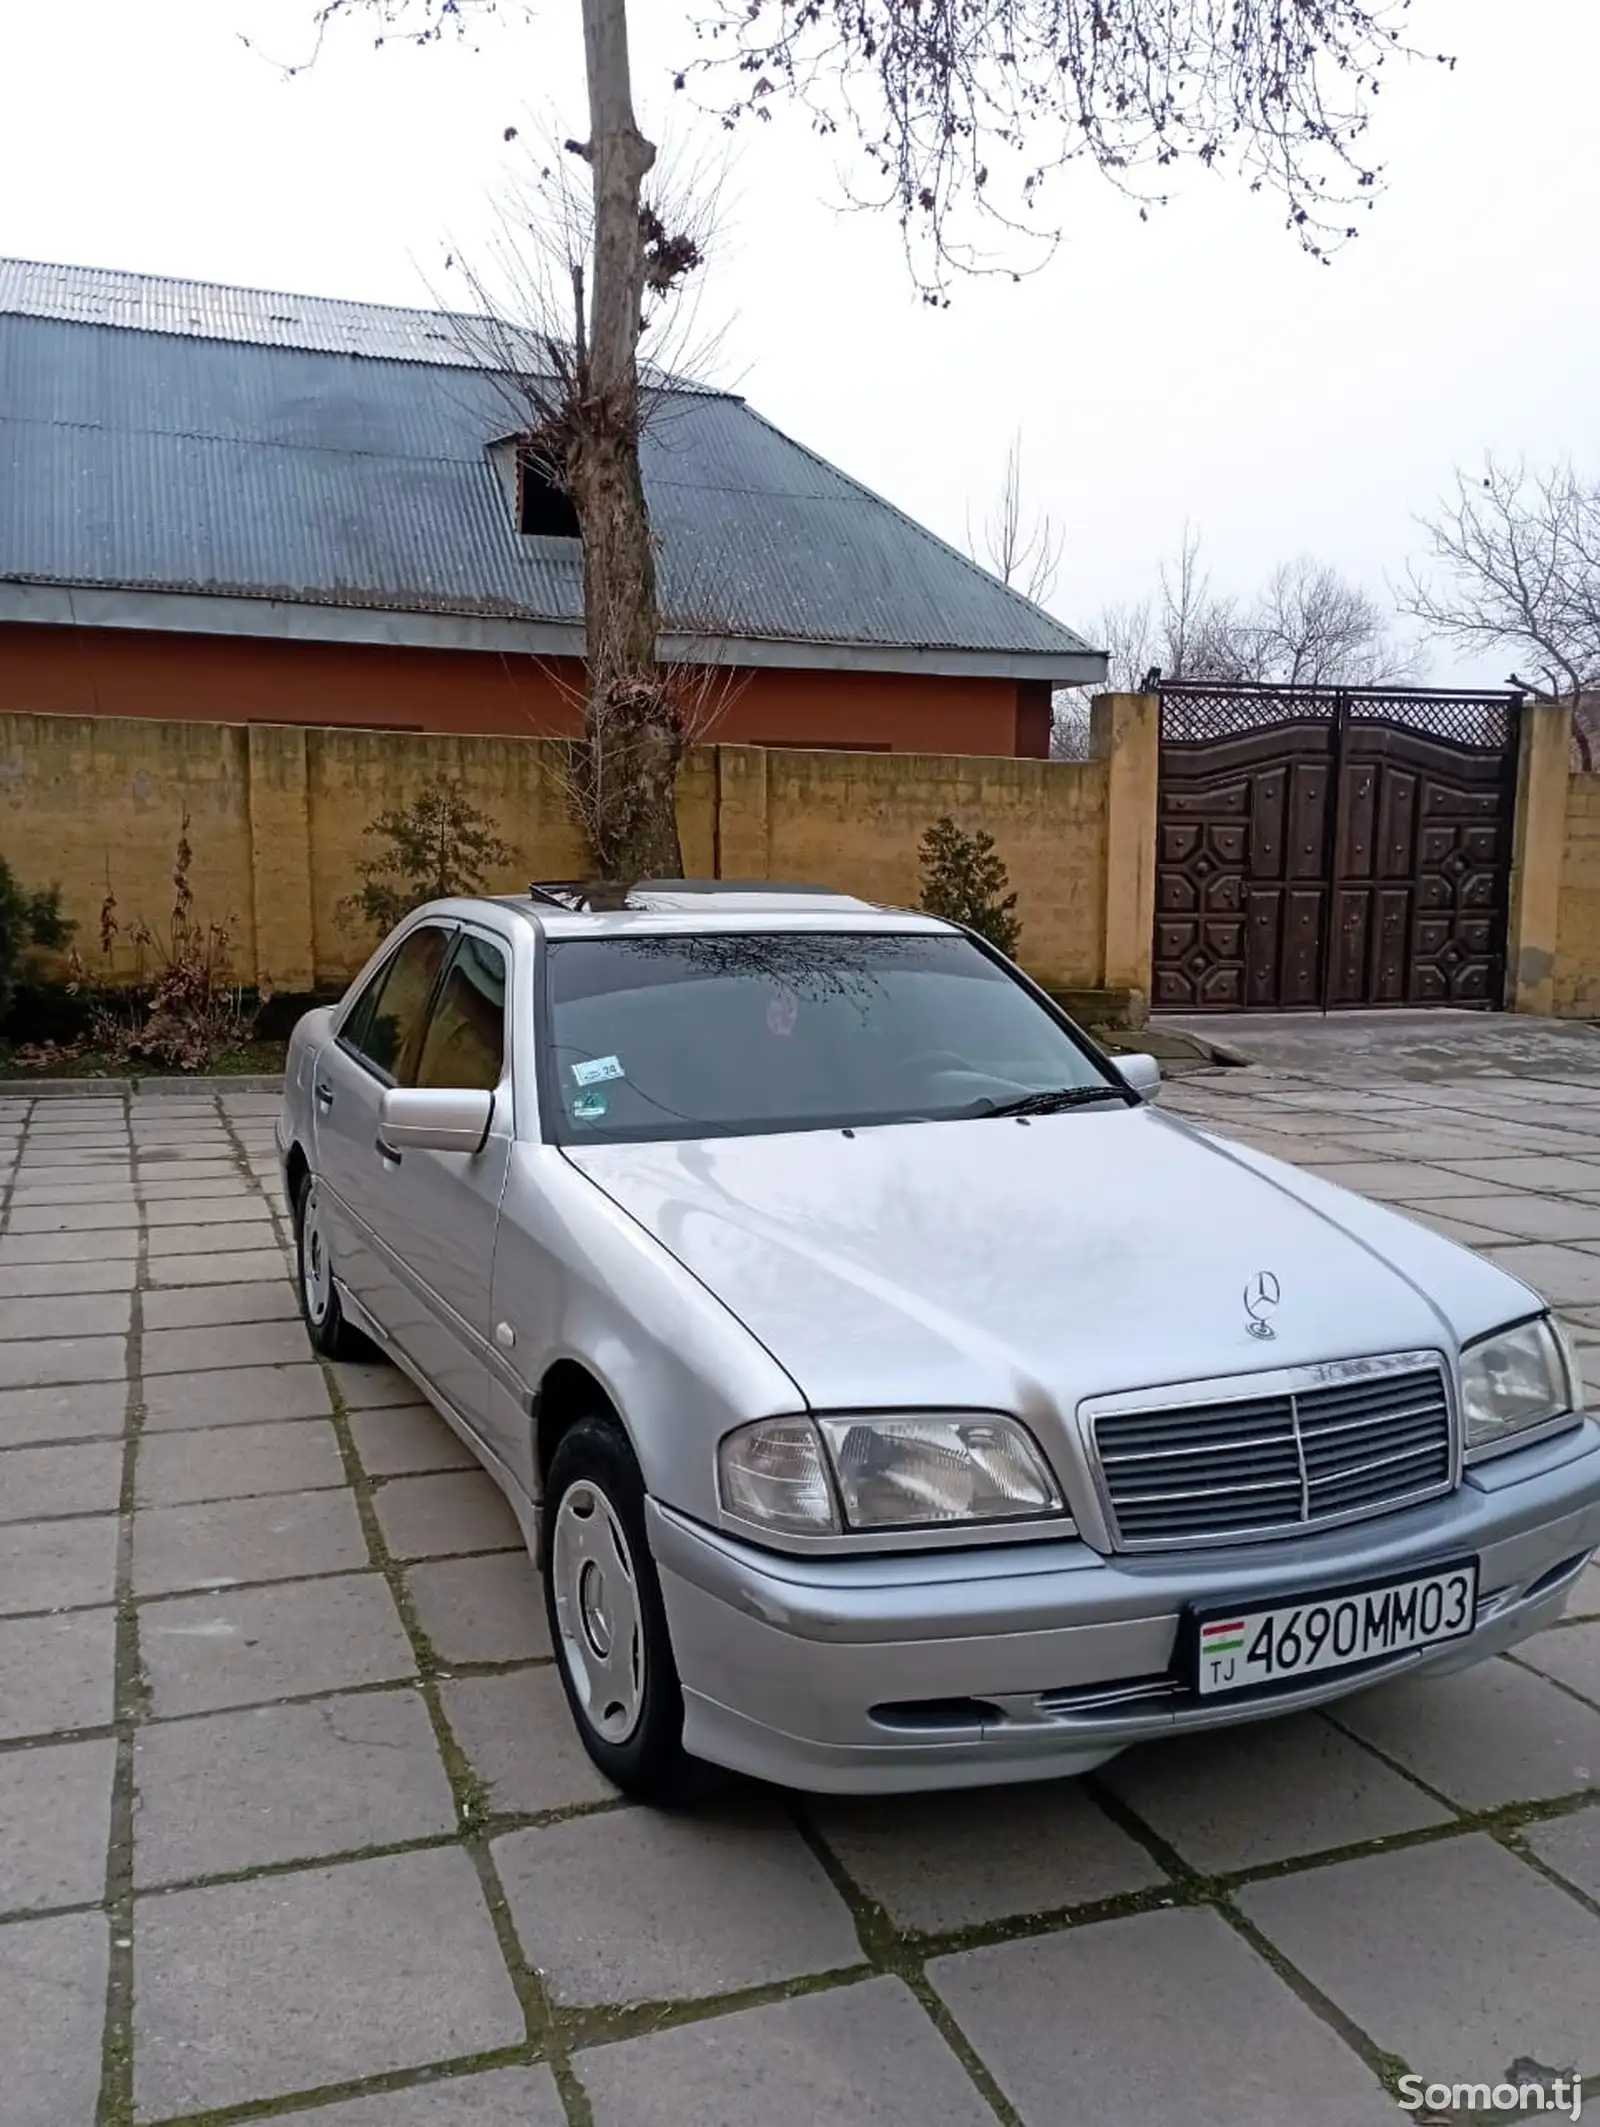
(1268, 1464)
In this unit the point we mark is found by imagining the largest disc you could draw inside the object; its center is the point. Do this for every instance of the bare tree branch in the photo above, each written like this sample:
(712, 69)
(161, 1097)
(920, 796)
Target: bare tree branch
(400, 22)
(964, 109)
(1519, 554)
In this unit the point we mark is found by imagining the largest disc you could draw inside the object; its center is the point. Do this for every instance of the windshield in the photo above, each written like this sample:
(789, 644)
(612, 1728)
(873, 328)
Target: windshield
(732, 1032)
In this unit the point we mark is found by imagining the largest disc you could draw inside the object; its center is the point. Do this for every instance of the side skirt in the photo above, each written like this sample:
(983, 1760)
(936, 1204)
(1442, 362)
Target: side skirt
(525, 1509)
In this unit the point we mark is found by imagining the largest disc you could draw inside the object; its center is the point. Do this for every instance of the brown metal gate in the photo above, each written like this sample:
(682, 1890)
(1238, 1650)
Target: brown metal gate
(1322, 847)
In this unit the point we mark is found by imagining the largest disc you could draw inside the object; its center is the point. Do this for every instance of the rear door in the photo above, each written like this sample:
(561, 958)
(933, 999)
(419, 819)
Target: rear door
(441, 1208)
(376, 1046)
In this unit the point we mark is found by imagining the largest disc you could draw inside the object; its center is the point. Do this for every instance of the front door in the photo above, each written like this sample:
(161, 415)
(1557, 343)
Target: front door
(376, 1047)
(441, 1208)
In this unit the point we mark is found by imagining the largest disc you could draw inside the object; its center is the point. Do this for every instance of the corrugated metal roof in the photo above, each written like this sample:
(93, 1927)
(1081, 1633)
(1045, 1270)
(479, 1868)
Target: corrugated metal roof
(207, 310)
(174, 436)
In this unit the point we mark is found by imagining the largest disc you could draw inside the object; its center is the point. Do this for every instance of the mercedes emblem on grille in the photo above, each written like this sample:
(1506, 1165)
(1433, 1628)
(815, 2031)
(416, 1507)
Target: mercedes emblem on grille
(1261, 1296)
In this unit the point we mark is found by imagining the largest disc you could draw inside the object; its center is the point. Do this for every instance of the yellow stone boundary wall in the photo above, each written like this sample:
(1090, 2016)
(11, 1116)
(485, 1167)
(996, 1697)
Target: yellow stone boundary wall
(278, 813)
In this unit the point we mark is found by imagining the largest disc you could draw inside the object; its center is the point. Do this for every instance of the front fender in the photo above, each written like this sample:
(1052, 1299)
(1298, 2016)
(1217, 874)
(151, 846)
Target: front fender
(575, 1277)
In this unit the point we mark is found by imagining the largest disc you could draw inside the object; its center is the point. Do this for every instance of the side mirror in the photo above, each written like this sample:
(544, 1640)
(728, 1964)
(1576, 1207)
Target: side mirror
(1142, 1073)
(434, 1119)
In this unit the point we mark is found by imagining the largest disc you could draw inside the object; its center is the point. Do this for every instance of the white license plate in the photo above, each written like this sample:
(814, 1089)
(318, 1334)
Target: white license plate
(1236, 1650)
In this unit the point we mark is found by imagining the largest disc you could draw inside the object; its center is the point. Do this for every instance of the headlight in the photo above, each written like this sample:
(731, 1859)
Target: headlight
(1518, 1378)
(923, 1471)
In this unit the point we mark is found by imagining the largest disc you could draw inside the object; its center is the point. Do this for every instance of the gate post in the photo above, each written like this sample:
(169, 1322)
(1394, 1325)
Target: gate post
(1544, 741)
(1125, 733)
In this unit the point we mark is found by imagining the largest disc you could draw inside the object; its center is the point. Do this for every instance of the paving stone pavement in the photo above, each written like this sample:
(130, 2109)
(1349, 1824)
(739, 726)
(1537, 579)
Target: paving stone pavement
(294, 1828)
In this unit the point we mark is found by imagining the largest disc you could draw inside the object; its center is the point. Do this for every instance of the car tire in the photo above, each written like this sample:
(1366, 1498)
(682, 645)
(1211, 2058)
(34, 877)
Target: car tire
(608, 1624)
(330, 1333)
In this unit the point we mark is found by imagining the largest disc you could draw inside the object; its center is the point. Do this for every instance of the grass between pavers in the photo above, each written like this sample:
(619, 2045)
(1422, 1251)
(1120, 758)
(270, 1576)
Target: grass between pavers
(1508, 1820)
(311, 2103)
(904, 1953)
(899, 1952)
(561, 2035)
(889, 1948)
(130, 1704)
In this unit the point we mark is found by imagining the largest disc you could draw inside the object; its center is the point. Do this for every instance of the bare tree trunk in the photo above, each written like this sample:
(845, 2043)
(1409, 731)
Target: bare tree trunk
(633, 734)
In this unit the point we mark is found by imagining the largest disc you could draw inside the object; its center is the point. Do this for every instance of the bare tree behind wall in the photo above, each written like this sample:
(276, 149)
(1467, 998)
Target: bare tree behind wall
(1516, 568)
(1306, 626)
(1183, 631)
(1021, 547)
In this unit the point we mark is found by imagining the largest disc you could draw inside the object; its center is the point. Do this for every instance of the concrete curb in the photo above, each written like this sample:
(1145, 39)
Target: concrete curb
(1175, 1052)
(1215, 1053)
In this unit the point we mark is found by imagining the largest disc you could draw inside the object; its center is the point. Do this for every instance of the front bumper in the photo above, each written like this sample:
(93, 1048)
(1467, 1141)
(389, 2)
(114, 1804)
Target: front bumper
(1027, 1661)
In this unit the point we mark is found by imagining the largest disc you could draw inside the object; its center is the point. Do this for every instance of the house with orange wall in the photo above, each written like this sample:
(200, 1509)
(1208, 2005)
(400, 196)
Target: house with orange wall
(237, 506)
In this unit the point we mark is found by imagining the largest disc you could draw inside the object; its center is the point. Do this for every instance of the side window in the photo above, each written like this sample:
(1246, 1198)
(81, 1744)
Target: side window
(387, 1024)
(465, 1043)
(357, 1020)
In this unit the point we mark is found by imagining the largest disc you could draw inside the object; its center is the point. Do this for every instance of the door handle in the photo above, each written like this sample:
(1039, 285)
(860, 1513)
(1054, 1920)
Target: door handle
(387, 1153)
(324, 1094)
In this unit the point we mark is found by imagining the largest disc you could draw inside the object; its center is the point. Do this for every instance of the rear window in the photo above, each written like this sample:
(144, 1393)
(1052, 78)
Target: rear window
(732, 1033)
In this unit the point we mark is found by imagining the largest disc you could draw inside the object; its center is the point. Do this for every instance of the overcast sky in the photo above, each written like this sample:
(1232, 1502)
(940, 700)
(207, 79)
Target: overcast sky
(1197, 367)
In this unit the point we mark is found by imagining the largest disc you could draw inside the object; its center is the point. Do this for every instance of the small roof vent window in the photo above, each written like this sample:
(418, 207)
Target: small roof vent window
(543, 509)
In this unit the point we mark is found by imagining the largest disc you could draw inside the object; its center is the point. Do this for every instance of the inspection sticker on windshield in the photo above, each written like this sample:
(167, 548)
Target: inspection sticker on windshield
(1235, 1650)
(595, 1070)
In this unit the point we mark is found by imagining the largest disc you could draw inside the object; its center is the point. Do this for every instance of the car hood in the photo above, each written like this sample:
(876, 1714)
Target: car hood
(1022, 1267)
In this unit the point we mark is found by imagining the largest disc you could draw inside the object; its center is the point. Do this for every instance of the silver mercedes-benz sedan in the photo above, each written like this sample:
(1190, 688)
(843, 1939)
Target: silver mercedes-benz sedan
(892, 1395)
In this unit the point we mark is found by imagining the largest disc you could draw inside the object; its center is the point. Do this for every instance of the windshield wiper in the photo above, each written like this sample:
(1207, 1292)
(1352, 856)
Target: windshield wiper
(1053, 1099)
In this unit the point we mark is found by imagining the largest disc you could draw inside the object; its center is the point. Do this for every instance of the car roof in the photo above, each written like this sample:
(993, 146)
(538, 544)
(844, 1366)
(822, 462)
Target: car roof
(571, 909)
